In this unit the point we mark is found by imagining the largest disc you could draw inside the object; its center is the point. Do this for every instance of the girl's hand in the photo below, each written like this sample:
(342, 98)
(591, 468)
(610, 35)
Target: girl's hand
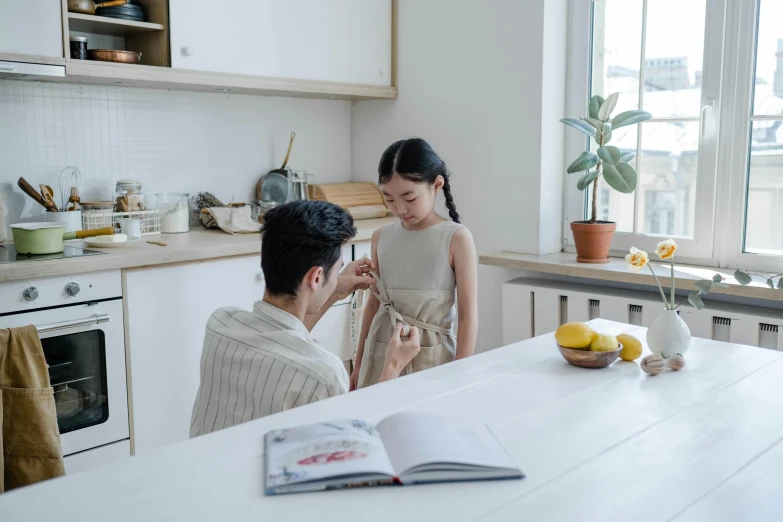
(354, 383)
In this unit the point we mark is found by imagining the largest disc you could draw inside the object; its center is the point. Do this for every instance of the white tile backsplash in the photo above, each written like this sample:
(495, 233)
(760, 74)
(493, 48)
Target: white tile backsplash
(172, 141)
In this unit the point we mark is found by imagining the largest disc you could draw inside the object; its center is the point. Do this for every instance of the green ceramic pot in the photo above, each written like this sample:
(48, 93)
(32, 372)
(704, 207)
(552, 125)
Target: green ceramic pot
(48, 238)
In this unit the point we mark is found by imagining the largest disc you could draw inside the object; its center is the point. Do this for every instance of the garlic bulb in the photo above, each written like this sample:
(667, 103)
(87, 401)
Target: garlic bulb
(675, 362)
(653, 364)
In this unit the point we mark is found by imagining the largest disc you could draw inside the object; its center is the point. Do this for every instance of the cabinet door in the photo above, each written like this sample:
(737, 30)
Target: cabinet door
(345, 41)
(333, 331)
(31, 28)
(168, 310)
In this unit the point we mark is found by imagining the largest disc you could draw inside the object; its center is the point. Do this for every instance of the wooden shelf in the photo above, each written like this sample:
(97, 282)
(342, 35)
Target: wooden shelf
(107, 73)
(109, 26)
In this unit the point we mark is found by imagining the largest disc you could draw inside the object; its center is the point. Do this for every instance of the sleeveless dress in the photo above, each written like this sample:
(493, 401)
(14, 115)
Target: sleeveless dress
(417, 287)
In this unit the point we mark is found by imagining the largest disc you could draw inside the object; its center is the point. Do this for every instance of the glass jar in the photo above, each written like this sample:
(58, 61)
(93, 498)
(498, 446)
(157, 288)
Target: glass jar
(78, 47)
(174, 213)
(129, 196)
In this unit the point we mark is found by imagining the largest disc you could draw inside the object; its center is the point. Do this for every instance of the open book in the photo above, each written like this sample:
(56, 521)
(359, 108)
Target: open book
(405, 448)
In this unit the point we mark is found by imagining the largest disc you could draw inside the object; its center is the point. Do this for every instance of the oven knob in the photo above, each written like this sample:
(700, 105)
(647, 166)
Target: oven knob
(72, 289)
(30, 293)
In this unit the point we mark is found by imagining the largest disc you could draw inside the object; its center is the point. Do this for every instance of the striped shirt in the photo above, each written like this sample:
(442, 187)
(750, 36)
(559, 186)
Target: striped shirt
(258, 363)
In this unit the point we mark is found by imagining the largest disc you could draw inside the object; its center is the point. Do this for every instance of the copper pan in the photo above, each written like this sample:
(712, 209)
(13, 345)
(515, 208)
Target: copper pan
(107, 55)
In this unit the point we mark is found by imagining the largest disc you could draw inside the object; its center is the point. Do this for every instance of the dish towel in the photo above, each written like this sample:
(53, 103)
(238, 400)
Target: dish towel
(235, 220)
(30, 438)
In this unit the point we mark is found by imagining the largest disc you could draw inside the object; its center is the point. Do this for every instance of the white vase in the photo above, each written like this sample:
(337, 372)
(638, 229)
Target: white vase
(668, 335)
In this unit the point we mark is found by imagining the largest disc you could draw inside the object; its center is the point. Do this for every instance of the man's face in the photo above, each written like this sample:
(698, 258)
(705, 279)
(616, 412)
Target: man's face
(325, 289)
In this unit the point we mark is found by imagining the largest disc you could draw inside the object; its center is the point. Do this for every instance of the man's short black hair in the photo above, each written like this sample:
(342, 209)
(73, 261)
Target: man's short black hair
(298, 236)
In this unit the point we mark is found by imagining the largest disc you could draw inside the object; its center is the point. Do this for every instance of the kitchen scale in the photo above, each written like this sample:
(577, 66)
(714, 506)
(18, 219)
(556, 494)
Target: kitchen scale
(8, 254)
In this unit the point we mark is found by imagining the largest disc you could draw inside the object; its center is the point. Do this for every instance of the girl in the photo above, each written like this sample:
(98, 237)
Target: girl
(422, 261)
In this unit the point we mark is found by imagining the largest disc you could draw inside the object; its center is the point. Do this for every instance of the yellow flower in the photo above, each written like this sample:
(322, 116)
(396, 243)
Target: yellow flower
(637, 259)
(666, 249)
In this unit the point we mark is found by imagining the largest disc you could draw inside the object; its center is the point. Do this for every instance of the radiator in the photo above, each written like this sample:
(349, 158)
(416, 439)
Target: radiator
(534, 307)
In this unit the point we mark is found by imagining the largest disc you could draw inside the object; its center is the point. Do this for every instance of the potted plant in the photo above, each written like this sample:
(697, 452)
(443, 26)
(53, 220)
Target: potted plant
(593, 238)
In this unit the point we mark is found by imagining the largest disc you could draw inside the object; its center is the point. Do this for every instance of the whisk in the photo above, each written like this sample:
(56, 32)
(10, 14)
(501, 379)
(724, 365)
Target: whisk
(70, 177)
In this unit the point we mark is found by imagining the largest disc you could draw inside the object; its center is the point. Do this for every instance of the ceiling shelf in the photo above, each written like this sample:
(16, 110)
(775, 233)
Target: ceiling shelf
(109, 26)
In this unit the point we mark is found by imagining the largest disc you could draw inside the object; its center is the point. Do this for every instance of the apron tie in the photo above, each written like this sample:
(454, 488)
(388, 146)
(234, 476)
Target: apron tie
(395, 316)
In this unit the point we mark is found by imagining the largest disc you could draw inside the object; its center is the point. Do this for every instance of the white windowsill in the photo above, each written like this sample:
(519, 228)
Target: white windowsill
(617, 270)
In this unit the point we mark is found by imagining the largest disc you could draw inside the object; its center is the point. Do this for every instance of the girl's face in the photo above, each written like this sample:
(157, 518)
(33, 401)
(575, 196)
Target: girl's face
(409, 200)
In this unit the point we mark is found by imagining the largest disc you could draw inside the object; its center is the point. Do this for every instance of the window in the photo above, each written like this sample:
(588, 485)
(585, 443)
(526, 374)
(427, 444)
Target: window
(710, 162)
(763, 232)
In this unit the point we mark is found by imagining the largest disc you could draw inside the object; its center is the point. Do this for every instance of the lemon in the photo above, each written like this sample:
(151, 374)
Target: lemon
(574, 335)
(632, 348)
(603, 343)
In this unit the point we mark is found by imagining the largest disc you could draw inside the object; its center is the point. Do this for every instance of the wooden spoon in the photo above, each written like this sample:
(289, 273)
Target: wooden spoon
(48, 195)
(30, 191)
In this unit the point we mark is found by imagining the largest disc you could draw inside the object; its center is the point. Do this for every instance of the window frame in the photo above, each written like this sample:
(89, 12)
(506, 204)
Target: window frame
(740, 81)
(707, 246)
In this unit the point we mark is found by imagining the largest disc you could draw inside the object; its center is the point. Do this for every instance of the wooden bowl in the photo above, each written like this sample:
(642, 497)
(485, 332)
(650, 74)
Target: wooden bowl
(589, 359)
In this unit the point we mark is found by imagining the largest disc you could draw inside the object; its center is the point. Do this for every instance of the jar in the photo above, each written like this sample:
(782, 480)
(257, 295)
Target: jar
(174, 213)
(78, 47)
(129, 196)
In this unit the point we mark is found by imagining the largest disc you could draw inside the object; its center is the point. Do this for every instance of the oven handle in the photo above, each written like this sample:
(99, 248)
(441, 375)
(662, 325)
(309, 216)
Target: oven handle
(94, 319)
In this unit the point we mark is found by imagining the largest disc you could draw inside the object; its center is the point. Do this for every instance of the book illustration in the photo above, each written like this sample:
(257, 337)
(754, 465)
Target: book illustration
(328, 452)
(316, 431)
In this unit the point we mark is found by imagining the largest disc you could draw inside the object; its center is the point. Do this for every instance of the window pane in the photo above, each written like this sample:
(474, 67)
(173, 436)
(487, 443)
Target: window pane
(769, 60)
(667, 179)
(764, 220)
(617, 50)
(673, 57)
(612, 205)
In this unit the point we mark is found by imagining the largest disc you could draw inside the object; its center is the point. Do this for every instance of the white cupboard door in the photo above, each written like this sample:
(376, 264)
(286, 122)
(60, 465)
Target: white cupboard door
(31, 28)
(168, 309)
(333, 331)
(362, 249)
(344, 41)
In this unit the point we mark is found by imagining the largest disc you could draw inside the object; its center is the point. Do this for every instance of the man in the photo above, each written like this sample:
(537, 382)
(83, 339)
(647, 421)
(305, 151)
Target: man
(264, 361)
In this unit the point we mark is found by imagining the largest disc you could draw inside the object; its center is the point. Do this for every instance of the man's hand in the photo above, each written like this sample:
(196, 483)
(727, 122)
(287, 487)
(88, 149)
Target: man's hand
(355, 276)
(400, 352)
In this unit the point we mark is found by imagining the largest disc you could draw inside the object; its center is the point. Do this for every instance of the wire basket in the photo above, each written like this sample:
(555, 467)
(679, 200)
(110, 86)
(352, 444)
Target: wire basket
(150, 220)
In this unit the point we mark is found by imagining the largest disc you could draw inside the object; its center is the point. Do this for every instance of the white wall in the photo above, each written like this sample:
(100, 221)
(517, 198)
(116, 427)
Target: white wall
(170, 140)
(476, 83)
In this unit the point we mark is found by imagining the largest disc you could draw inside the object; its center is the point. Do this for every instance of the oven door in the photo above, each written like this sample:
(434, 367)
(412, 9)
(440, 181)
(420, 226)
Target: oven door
(86, 369)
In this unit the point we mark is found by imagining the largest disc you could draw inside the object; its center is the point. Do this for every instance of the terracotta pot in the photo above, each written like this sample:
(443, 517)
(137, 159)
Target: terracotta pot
(593, 240)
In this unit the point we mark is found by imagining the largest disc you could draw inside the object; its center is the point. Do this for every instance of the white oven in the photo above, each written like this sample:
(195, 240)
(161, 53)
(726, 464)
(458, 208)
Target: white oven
(80, 322)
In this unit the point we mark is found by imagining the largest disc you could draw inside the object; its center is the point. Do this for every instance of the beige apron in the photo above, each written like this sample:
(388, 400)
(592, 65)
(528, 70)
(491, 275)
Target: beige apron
(417, 288)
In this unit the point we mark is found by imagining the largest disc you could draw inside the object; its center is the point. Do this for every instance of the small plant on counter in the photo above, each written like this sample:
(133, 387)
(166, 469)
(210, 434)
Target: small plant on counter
(592, 237)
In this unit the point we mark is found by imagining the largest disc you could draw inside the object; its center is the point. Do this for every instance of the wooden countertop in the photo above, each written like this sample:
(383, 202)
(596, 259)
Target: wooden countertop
(565, 264)
(703, 443)
(199, 244)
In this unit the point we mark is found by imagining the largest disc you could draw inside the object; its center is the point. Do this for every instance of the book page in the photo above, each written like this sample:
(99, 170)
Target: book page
(412, 440)
(319, 451)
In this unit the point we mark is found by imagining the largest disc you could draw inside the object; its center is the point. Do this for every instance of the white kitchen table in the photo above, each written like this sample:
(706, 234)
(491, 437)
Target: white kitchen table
(702, 444)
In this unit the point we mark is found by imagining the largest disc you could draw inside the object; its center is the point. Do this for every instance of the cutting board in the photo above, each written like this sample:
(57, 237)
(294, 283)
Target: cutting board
(363, 200)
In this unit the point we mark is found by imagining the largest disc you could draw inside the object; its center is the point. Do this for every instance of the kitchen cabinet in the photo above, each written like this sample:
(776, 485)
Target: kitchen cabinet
(32, 30)
(168, 309)
(343, 41)
(333, 331)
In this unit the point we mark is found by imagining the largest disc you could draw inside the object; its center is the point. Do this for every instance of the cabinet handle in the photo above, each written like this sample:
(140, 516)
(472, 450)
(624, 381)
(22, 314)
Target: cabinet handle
(6, 67)
(187, 51)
